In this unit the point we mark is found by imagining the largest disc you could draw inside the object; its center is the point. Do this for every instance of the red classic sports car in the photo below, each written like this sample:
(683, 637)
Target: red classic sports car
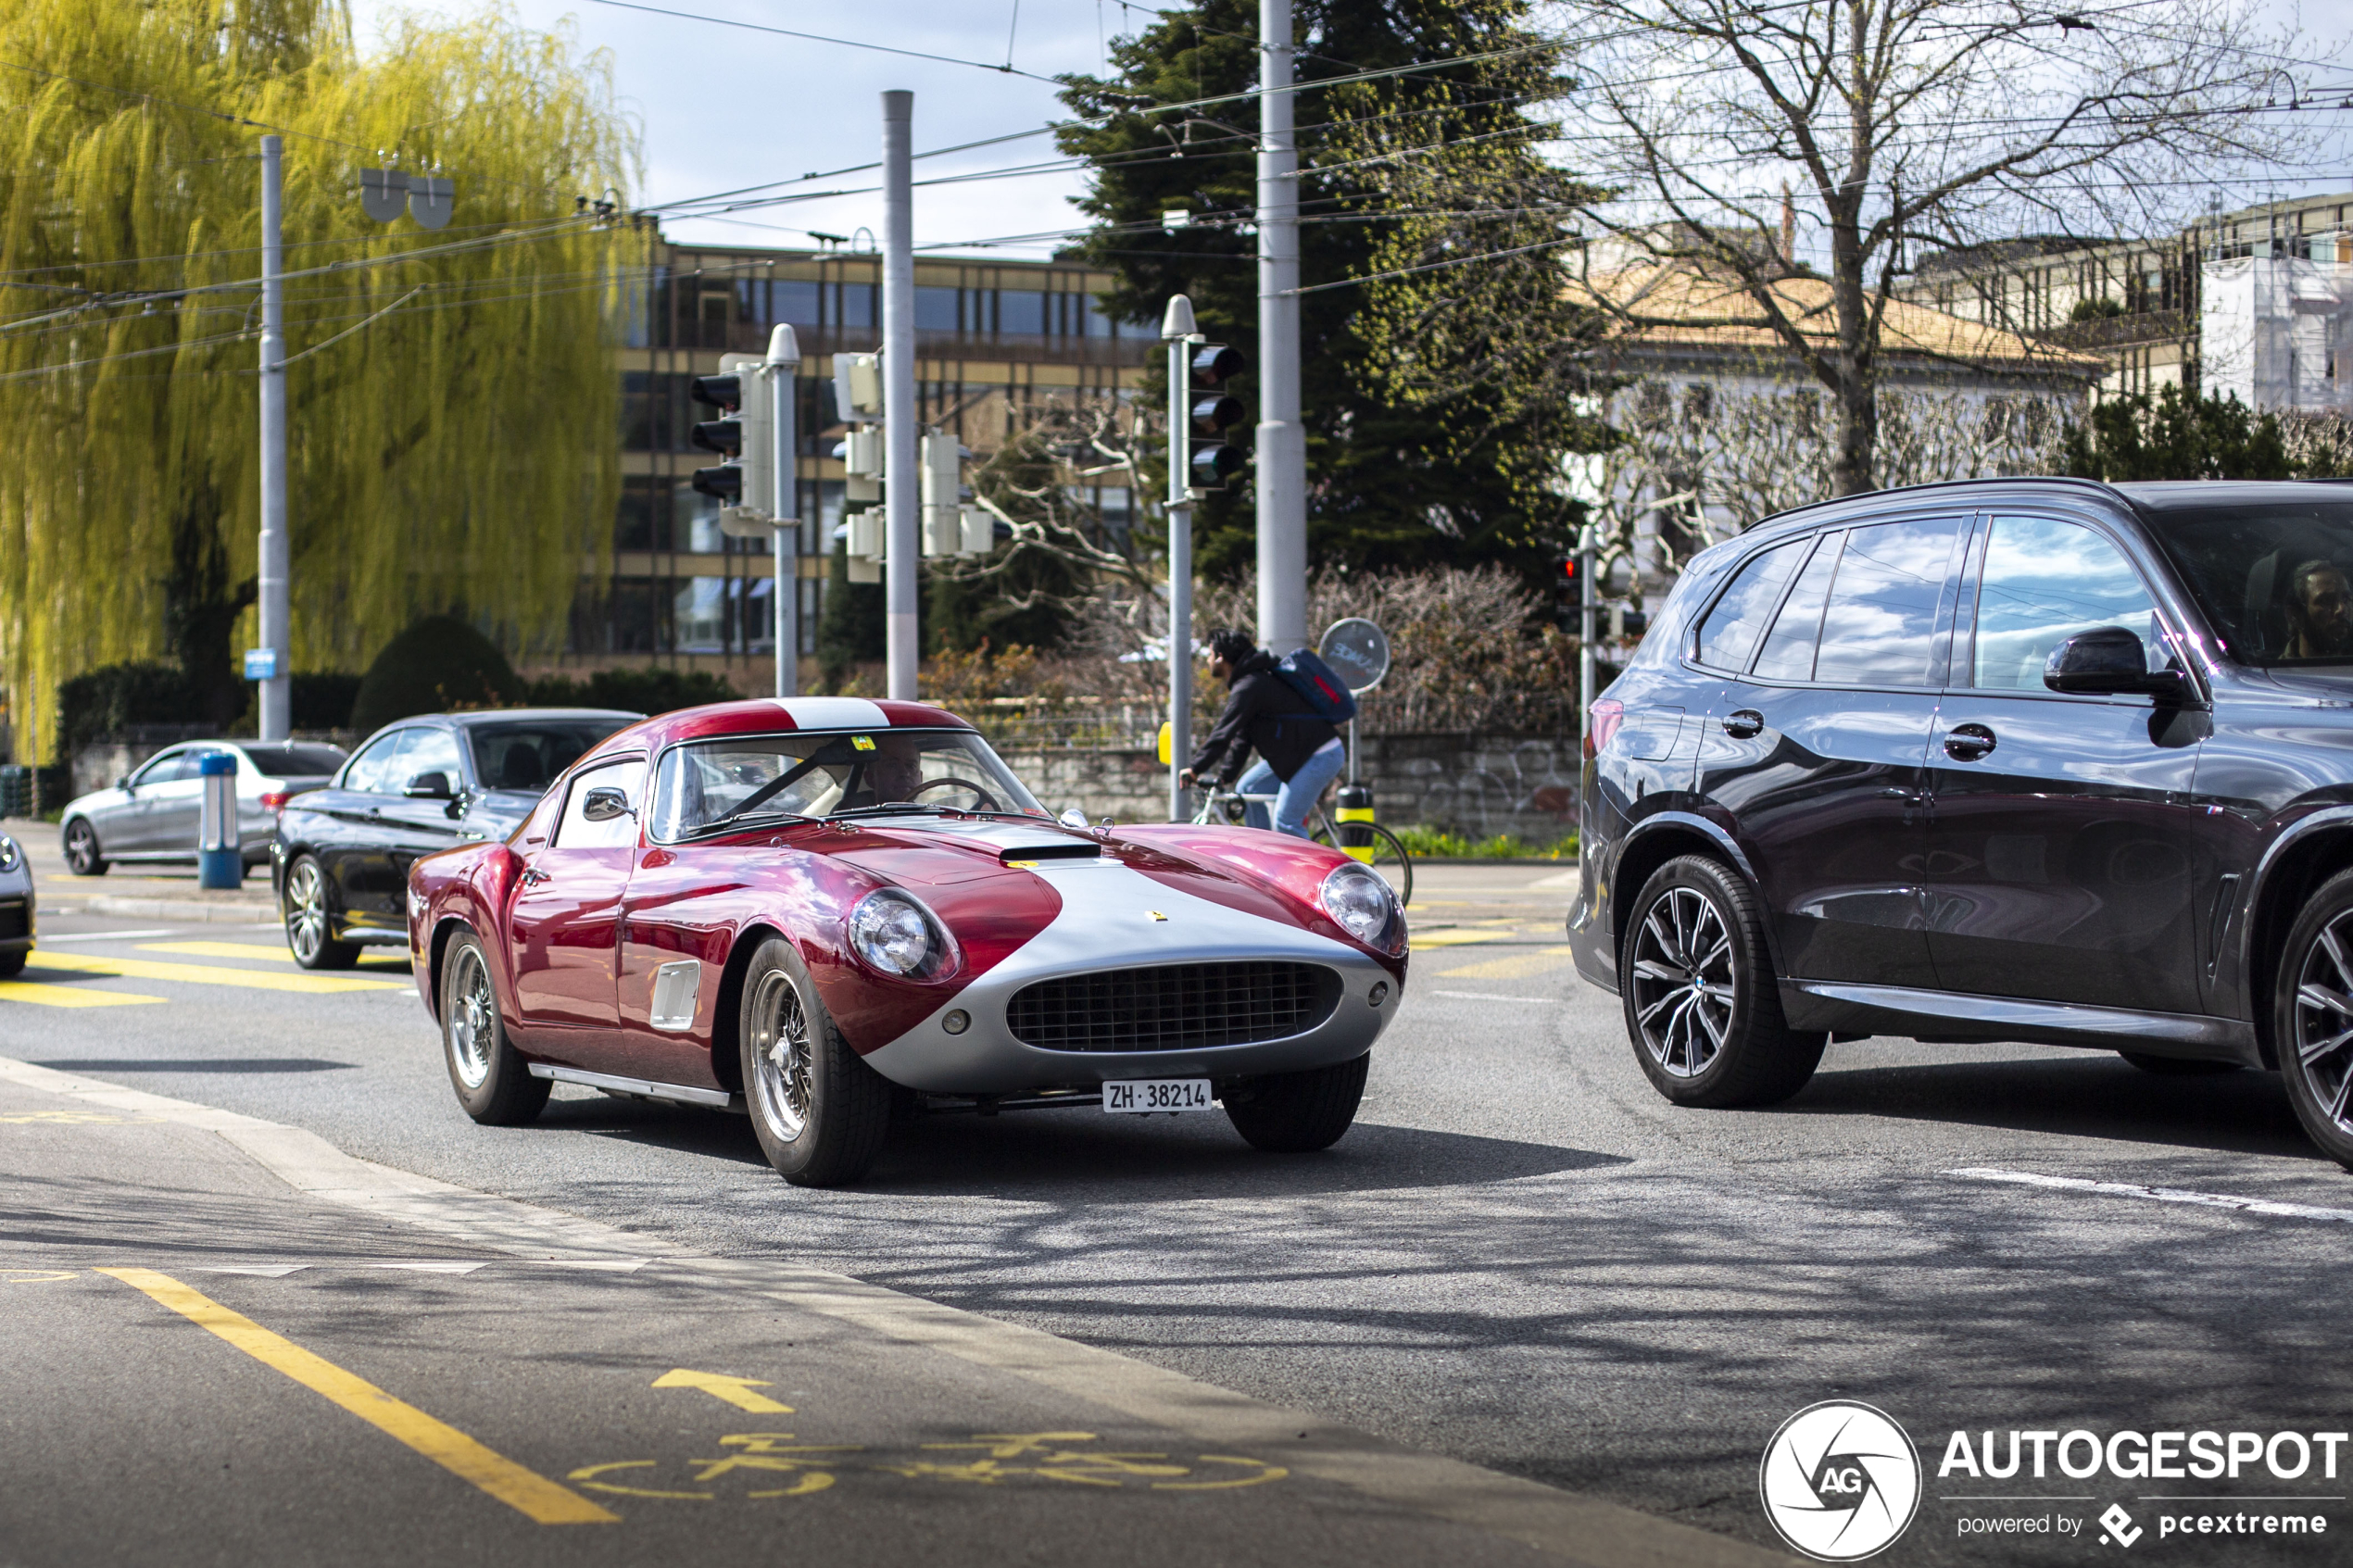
(825, 910)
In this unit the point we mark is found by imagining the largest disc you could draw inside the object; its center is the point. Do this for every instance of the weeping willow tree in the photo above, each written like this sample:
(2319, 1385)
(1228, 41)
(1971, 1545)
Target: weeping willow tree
(452, 394)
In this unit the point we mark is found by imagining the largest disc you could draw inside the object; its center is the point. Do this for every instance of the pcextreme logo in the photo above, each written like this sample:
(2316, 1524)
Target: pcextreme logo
(1840, 1481)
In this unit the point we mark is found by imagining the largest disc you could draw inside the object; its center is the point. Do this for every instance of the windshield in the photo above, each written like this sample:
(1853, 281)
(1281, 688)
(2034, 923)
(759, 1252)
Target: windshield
(831, 773)
(2275, 579)
(528, 757)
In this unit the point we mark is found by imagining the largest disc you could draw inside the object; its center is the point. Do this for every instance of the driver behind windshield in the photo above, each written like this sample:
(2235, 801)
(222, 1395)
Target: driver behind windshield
(2320, 611)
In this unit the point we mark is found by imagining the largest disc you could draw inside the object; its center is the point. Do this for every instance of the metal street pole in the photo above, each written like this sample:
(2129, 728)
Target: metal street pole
(902, 495)
(1176, 327)
(784, 426)
(1587, 609)
(1283, 444)
(277, 687)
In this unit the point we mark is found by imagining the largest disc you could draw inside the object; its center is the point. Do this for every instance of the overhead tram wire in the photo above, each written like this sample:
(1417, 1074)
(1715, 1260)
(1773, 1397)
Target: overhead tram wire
(1008, 68)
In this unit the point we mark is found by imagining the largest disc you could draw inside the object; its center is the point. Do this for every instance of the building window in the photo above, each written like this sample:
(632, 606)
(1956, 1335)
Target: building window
(1021, 313)
(935, 310)
(699, 615)
(643, 522)
(854, 305)
(796, 300)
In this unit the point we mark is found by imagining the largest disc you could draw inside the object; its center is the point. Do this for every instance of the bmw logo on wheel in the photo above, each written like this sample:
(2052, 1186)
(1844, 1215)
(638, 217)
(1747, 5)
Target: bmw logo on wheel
(1840, 1481)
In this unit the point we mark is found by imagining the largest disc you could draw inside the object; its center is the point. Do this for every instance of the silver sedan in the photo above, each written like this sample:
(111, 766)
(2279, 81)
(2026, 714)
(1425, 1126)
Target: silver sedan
(151, 814)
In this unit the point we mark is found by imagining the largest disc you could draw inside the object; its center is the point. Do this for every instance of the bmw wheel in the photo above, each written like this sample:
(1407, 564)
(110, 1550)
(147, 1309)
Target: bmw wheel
(82, 856)
(492, 1081)
(2313, 1025)
(1703, 1005)
(820, 1112)
(310, 922)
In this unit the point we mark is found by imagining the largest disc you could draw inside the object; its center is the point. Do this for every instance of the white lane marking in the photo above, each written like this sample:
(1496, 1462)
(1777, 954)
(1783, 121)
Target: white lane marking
(45, 939)
(1487, 997)
(2159, 1195)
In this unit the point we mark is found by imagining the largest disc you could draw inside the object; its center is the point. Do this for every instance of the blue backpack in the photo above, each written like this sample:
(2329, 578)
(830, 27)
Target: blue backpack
(1327, 695)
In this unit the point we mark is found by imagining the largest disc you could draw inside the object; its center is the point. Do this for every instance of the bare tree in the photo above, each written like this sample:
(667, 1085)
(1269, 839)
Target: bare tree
(1892, 124)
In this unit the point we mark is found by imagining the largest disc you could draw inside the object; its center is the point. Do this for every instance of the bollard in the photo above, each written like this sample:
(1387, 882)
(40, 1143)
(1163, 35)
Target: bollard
(220, 855)
(1353, 817)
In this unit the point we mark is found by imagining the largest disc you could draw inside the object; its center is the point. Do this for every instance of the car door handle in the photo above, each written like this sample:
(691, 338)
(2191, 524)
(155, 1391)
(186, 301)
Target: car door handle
(1967, 743)
(533, 875)
(1743, 723)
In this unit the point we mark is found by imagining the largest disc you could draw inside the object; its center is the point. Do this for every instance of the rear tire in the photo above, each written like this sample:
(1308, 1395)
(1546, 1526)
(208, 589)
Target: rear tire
(82, 856)
(1703, 1005)
(309, 919)
(492, 1081)
(13, 963)
(1298, 1113)
(2177, 1067)
(2312, 1018)
(820, 1112)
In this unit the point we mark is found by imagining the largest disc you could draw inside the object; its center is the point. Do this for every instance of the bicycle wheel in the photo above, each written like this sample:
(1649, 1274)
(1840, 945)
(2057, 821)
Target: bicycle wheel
(1389, 858)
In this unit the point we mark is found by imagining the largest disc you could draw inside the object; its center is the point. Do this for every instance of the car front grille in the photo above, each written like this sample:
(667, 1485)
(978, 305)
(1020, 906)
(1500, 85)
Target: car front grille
(15, 919)
(1174, 1006)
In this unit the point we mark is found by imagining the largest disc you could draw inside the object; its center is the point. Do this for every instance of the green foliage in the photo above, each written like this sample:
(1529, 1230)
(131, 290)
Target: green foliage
(849, 629)
(109, 699)
(652, 690)
(2176, 437)
(436, 666)
(2094, 310)
(324, 700)
(1394, 479)
(1438, 845)
(453, 453)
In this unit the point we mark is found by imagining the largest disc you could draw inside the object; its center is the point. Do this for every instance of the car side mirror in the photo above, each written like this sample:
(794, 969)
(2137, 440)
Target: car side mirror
(604, 804)
(124, 783)
(2106, 662)
(1073, 817)
(429, 786)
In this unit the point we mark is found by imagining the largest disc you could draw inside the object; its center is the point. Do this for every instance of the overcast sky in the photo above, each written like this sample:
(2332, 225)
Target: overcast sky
(720, 108)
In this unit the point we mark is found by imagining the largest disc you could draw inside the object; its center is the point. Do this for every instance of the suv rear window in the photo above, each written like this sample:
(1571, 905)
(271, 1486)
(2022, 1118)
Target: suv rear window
(1728, 635)
(1880, 628)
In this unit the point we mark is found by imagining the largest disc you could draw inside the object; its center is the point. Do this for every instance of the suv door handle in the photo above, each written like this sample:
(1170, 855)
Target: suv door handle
(1967, 743)
(1743, 723)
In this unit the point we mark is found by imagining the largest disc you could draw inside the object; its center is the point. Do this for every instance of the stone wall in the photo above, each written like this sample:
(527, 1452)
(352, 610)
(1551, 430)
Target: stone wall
(1478, 785)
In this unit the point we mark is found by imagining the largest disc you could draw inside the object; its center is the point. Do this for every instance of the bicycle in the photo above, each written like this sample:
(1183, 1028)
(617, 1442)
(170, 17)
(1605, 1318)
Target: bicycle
(1386, 855)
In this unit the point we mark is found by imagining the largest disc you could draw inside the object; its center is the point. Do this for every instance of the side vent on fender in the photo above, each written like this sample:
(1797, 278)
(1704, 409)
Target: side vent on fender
(676, 988)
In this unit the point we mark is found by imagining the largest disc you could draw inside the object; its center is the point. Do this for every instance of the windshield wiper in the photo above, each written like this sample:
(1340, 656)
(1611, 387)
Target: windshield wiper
(742, 819)
(894, 807)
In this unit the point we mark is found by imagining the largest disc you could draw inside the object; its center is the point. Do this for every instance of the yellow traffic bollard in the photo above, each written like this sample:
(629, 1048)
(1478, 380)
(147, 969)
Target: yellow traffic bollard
(1353, 819)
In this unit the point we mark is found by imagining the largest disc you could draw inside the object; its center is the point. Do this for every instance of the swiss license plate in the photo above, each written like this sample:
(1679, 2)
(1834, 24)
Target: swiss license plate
(1144, 1097)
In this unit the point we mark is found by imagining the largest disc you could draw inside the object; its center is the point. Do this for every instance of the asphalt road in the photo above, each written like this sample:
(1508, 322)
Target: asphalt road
(1520, 1257)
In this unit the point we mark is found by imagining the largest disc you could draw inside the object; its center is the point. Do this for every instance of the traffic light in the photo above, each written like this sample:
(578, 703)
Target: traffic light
(1566, 595)
(740, 392)
(1215, 415)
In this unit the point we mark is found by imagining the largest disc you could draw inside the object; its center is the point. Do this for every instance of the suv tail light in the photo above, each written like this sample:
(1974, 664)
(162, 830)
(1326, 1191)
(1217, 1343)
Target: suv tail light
(275, 799)
(1601, 723)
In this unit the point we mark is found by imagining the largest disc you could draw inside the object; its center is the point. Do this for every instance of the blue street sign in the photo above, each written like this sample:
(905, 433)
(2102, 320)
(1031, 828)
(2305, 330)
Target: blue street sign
(261, 664)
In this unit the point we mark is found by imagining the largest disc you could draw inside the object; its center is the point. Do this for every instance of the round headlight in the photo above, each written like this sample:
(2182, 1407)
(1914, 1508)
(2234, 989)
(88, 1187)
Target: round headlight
(10, 853)
(1364, 907)
(897, 935)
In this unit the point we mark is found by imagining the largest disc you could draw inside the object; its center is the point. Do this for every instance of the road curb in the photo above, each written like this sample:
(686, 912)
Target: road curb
(1577, 1529)
(246, 911)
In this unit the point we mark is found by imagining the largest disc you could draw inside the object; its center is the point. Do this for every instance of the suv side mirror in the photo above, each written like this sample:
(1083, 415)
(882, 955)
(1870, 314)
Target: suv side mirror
(604, 804)
(430, 786)
(2106, 662)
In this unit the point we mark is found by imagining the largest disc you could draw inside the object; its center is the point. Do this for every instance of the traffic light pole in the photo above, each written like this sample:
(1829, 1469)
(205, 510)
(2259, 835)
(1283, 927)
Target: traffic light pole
(1587, 607)
(784, 507)
(276, 704)
(902, 493)
(1282, 443)
(1178, 328)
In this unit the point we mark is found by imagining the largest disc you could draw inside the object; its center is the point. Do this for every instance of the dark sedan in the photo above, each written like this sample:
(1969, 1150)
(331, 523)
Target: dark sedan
(340, 861)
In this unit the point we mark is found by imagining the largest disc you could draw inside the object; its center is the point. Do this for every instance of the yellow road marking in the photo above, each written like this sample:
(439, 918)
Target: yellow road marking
(737, 1391)
(1514, 967)
(77, 1118)
(34, 1276)
(203, 974)
(274, 951)
(1456, 937)
(526, 1491)
(64, 995)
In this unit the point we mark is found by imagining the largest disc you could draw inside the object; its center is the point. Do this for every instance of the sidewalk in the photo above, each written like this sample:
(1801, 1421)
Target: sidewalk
(140, 892)
(309, 1358)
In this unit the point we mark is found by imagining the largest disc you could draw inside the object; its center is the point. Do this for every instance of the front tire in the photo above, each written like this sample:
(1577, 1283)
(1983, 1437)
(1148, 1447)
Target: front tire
(2312, 1018)
(1299, 1112)
(492, 1081)
(310, 924)
(1703, 1004)
(820, 1112)
(12, 963)
(82, 856)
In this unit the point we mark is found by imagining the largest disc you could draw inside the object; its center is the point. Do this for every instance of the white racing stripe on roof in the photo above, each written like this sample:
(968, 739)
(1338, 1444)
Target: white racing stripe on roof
(833, 713)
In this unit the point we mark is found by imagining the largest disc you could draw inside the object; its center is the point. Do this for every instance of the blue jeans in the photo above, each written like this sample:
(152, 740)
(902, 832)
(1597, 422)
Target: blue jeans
(1295, 799)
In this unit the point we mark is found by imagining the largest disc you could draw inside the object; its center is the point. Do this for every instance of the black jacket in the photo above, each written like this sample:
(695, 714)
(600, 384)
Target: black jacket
(1261, 711)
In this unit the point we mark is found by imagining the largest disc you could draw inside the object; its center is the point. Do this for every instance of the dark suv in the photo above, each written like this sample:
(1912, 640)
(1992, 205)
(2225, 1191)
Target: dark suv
(2027, 759)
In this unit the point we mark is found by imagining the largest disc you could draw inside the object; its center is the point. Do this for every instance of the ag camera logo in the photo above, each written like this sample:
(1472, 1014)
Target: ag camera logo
(1840, 1481)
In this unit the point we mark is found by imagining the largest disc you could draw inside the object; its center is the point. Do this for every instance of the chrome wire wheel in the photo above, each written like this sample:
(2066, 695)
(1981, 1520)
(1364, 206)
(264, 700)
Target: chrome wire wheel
(306, 911)
(473, 1019)
(1683, 982)
(2325, 1020)
(781, 1074)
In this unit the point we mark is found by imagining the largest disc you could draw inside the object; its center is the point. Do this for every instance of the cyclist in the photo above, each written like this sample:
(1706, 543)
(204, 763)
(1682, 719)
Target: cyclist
(1298, 753)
